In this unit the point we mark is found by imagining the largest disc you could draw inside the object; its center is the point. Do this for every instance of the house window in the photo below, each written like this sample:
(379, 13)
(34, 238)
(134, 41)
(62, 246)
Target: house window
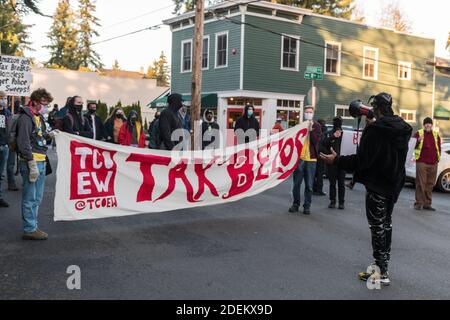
(186, 56)
(333, 58)
(290, 53)
(288, 103)
(205, 54)
(370, 62)
(342, 111)
(408, 115)
(404, 70)
(222, 50)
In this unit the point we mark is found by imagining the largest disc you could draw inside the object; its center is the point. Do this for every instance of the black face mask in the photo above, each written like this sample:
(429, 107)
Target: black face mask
(92, 111)
(79, 108)
(133, 120)
(119, 116)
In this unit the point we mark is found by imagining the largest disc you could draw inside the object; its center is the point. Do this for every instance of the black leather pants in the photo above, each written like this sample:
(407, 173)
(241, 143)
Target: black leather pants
(379, 215)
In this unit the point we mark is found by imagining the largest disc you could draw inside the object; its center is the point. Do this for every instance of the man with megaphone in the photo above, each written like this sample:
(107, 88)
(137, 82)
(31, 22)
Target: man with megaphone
(379, 165)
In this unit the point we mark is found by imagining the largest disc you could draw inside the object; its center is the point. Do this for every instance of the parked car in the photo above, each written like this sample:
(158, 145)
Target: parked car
(443, 176)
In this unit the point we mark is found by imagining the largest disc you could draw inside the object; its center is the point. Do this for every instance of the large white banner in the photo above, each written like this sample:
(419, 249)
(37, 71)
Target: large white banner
(100, 180)
(15, 75)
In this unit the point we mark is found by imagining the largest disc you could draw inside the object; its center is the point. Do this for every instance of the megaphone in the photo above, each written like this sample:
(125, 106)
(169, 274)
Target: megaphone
(358, 109)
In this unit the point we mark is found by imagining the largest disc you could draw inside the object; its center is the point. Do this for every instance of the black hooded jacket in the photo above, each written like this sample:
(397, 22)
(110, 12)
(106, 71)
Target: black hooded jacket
(380, 161)
(169, 121)
(246, 123)
(74, 122)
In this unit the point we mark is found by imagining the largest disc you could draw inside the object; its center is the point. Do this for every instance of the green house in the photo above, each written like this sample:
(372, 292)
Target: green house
(259, 53)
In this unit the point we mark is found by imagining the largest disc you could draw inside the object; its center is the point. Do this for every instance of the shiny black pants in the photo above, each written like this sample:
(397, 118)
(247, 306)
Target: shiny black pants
(379, 215)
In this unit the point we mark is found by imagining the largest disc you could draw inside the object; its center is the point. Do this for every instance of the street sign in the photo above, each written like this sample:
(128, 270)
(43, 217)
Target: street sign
(316, 76)
(312, 69)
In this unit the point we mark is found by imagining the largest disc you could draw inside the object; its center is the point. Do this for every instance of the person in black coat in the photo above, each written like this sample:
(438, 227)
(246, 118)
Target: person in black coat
(333, 140)
(169, 121)
(379, 164)
(74, 121)
(320, 169)
(96, 123)
(209, 127)
(247, 127)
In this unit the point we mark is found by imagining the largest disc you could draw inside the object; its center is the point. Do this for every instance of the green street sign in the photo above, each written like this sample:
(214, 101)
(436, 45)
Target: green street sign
(313, 76)
(311, 69)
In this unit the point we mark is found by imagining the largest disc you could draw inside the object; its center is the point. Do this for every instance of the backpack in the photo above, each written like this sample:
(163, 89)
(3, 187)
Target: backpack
(155, 136)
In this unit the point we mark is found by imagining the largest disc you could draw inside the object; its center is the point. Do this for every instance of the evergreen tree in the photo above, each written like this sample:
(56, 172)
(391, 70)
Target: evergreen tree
(159, 71)
(13, 33)
(63, 37)
(87, 57)
(23, 6)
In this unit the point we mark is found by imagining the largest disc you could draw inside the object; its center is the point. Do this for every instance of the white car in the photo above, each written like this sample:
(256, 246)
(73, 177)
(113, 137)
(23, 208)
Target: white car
(443, 176)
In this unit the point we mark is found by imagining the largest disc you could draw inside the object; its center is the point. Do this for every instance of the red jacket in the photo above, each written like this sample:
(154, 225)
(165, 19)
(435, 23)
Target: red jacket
(125, 135)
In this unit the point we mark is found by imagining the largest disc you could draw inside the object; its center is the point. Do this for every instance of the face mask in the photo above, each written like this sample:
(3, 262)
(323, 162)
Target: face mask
(79, 107)
(119, 116)
(44, 110)
(309, 116)
(133, 120)
(250, 113)
(91, 111)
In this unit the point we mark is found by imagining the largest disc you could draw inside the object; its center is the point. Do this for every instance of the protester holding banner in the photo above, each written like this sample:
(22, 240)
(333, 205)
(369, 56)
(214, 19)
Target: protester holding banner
(74, 121)
(132, 132)
(32, 149)
(333, 140)
(306, 168)
(113, 125)
(153, 133)
(5, 124)
(210, 131)
(247, 127)
(169, 121)
(98, 128)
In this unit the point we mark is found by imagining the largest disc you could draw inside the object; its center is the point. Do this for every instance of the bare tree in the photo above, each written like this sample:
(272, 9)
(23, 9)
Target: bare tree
(393, 16)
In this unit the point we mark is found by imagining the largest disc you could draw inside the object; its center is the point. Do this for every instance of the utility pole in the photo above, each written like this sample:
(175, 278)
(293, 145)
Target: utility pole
(197, 73)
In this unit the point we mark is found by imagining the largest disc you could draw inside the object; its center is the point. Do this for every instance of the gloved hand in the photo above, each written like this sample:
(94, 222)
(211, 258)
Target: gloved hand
(34, 171)
(53, 133)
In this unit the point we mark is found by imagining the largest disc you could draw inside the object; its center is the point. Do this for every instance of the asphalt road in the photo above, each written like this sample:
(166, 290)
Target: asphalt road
(252, 249)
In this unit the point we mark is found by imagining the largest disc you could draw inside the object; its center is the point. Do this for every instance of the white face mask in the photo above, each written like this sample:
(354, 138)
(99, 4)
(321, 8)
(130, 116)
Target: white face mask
(309, 116)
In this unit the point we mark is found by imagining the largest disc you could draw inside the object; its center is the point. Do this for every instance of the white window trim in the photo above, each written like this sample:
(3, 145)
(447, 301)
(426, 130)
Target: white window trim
(375, 77)
(297, 60)
(405, 64)
(409, 112)
(182, 55)
(338, 73)
(209, 45)
(341, 106)
(228, 49)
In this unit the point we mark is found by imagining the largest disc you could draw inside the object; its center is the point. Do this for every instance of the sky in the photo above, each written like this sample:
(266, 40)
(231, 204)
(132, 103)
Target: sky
(118, 17)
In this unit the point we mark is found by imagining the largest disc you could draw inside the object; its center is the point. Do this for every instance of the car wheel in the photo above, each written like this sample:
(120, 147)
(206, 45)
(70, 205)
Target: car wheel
(443, 182)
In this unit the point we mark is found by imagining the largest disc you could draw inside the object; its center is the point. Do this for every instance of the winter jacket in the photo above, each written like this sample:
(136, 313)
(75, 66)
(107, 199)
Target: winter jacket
(28, 139)
(330, 141)
(246, 123)
(98, 125)
(5, 125)
(125, 135)
(314, 138)
(169, 121)
(208, 138)
(380, 161)
(74, 123)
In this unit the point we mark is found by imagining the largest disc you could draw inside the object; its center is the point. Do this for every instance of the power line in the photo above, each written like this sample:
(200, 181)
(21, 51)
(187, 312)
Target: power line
(136, 17)
(155, 27)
